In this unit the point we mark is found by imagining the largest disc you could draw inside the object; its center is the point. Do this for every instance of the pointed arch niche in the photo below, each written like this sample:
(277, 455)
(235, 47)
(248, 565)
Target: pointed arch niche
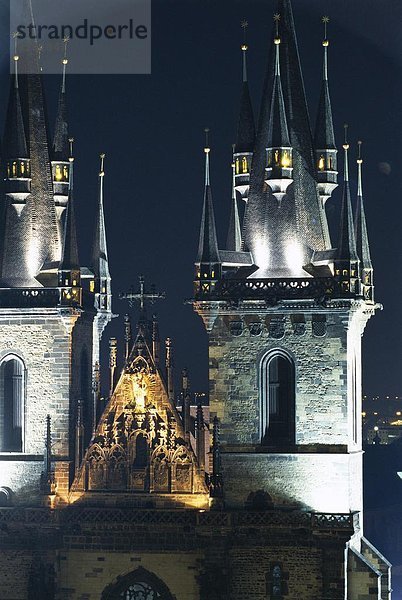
(12, 403)
(277, 398)
(138, 585)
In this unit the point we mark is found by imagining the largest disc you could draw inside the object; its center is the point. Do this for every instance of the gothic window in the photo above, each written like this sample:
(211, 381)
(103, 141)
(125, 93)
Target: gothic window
(277, 399)
(141, 452)
(12, 404)
(276, 583)
(138, 585)
(244, 164)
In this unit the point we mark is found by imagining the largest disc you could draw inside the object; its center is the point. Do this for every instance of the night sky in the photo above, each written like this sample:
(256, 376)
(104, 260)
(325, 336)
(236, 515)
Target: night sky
(151, 128)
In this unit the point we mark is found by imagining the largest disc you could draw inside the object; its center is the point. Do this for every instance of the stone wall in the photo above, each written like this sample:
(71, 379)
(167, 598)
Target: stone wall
(41, 338)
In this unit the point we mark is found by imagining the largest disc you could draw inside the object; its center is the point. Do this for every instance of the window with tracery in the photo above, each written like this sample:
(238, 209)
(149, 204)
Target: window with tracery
(12, 404)
(277, 399)
(138, 585)
(140, 591)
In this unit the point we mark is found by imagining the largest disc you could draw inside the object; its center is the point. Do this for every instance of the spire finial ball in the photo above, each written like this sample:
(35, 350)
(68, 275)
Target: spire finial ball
(244, 47)
(277, 41)
(16, 57)
(65, 61)
(325, 43)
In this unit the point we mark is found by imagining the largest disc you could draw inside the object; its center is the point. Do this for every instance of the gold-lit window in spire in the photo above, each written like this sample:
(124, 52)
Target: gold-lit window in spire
(286, 161)
(14, 169)
(244, 165)
(321, 163)
(237, 166)
(22, 167)
(58, 175)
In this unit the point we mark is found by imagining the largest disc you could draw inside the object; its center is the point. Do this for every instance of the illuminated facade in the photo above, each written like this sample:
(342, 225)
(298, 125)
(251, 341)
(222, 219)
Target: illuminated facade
(285, 313)
(141, 500)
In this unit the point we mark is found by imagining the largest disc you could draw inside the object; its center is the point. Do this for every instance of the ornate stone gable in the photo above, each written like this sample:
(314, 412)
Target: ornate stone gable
(139, 445)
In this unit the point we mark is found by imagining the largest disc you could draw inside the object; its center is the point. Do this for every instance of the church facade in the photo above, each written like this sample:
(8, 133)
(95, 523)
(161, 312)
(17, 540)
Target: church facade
(132, 500)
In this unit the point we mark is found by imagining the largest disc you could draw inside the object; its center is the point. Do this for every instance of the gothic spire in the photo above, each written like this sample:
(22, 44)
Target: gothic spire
(282, 242)
(245, 139)
(362, 242)
(279, 152)
(234, 233)
(324, 137)
(347, 240)
(15, 142)
(60, 139)
(69, 260)
(246, 128)
(208, 252)
(100, 264)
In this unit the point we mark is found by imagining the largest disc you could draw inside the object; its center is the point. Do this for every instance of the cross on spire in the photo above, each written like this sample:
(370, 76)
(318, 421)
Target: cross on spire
(141, 295)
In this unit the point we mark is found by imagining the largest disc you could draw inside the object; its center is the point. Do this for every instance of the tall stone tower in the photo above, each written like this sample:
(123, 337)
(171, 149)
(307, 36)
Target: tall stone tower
(285, 311)
(52, 309)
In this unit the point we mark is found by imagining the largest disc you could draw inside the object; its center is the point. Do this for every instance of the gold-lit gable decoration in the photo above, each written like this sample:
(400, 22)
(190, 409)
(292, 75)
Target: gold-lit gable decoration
(139, 445)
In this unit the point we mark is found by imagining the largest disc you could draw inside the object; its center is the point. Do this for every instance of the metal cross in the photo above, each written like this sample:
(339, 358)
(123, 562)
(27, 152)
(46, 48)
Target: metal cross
(141, 295)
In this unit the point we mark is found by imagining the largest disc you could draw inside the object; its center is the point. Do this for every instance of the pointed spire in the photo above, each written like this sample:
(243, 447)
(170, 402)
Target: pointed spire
(69, 260)
(155, 340)
(362, 241)
(60, 139)
(200, 437)
(100, 264)
(112, 363)
(208, 245)
(246, 128)
(347, 241)
(169, 368)
(15, 141)
(216, 483)
(324, 136)
(234, 241)
(279, 152)
(127, 336)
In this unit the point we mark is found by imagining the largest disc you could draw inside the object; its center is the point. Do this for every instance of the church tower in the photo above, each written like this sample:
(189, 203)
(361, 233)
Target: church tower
(52, 308)
(285, 316)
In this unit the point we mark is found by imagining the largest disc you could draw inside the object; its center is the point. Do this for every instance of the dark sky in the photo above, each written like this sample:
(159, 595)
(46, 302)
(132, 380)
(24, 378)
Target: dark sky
(151, 128)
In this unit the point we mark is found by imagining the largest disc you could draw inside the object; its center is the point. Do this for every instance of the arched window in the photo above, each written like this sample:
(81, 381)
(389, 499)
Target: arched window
(277, 399)
(12, 404)
(138, 585)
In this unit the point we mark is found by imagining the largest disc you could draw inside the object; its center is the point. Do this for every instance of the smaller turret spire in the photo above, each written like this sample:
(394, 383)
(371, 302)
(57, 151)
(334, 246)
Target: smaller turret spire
(15, 152)
(99, 261)
(324, 137)
(60, 139)
(278, 172)
(362, 241)
(347, 259)
(234, 241)
(208, 261)
(69, 268)
(245, 139)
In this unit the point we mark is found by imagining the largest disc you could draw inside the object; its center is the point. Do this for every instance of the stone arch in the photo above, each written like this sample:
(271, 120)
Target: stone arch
(6, 497)
(277, 394)
(137, 585)
(117, 468)
(13, 376)
(182, 470)
(160, 470)
(96, 468)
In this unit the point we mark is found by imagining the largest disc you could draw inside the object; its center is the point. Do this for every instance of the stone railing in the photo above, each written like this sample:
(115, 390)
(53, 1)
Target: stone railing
(45, 297)
(270, 518)
(273, 290)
